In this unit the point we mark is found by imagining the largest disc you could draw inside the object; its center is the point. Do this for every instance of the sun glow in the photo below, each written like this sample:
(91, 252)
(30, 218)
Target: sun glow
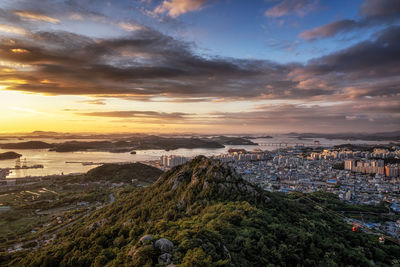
(19, 50)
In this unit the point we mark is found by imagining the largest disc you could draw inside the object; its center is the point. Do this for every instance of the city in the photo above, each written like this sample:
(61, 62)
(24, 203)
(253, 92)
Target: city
(358, 176)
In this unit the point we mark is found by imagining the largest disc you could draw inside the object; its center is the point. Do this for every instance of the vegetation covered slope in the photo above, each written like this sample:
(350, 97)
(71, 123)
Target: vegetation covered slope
(35, 205)
(213, 218)
(124, 173)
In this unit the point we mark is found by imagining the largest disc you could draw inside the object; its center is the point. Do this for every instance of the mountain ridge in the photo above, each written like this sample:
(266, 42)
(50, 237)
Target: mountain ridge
(204, 178)
(212, 217)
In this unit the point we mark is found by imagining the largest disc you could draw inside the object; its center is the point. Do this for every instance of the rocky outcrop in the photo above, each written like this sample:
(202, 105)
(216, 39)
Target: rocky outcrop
(148, 249)
(147, 240)
(165, 259)
(203, 178)
(184, 187)
(95, 225)
(164, 245)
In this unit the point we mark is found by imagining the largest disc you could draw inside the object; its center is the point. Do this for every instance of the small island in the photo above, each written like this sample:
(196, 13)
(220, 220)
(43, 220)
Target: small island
(257, 137)
(27, 145)
(236, 141)
(125, 145)
(9, 155)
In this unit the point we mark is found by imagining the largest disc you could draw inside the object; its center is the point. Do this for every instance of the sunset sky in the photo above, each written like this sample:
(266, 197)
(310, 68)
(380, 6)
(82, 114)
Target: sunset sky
(218, 66)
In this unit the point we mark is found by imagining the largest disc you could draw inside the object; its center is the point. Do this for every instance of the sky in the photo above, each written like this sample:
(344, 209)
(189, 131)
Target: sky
(200, 66)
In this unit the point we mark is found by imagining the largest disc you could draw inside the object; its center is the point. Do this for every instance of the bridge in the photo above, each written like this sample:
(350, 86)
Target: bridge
(284, 144)
(281, 144)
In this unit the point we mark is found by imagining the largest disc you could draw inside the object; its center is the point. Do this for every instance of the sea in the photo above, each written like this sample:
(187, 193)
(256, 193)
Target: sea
(63, 163)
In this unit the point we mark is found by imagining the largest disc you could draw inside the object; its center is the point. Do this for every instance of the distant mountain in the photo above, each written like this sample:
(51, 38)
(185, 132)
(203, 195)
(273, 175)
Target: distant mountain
(204, 214)
(119, 146)
(26, 145)
(45, 133)
(383, 136)
(225, 140)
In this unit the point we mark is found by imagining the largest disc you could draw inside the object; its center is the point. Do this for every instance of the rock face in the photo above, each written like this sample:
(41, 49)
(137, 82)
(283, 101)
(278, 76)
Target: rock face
(164, 245)
(147, 240)
(147, 250)
(95, 225)
(165, 259)
(199, 180)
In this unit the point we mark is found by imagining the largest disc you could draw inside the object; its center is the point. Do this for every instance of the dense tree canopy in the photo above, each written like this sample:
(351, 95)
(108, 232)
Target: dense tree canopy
(213, 218)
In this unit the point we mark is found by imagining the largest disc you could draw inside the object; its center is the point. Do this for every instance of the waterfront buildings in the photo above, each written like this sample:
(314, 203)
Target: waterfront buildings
(172, 161)
(372, 167)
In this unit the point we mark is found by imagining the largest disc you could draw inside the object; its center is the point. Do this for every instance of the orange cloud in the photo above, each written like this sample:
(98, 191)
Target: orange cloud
(76, 16)
(11, 29)
(129, 26)
(174, 8)
(36, 16)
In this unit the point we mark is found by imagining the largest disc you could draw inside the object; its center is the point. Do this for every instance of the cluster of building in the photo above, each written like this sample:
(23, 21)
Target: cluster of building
(362, 181)
(234, 155)
(293, 170)
(372, 167)
(383, 153)
(172, 161)
(380, 153)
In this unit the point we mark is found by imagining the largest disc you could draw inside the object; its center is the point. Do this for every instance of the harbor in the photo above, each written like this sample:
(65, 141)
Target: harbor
(4, 172)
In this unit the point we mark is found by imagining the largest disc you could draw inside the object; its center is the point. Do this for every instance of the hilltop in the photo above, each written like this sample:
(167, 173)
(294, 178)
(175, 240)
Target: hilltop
(123, 173)
(203, 214)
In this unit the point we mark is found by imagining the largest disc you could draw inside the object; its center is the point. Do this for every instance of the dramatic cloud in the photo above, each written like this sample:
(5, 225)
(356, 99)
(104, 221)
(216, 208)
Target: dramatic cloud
(149, 64)
(378, 8)
(144, 65)
(373, 12)
(377, 60)
(285, 7)
(174, 8)
(330, 29)
(323, 118)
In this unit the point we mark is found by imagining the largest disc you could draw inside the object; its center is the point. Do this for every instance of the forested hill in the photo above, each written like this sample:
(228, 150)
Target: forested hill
(124, 173)
(203, 214)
